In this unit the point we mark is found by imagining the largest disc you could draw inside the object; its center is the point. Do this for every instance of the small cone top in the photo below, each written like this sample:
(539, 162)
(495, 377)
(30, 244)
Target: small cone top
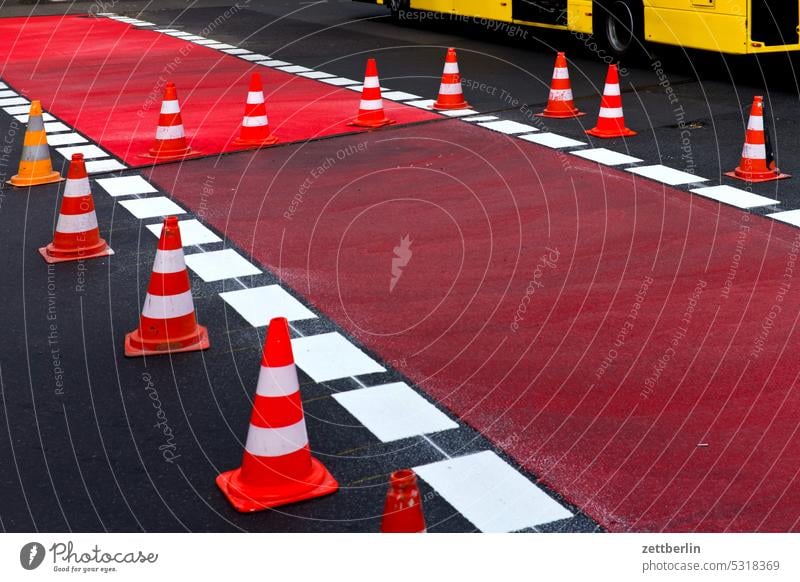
(77, 168)
(561, 61)
(403, 479)
(36, 108)
(757, 108)
(372, 68)
(255, 83)
(278, 346)
(612, 78)
(451, 55)
(170, 92)
(170, 235)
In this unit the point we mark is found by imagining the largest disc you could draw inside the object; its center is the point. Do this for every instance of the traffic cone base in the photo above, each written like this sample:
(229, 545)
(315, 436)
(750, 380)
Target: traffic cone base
(158, 153)
(373, 124)
(450, 106)
(20, 181)
(607, 134)
(52, 255)
(135, 345)
(756, 177)
(560, 114)
(247, 498)
(256, 142)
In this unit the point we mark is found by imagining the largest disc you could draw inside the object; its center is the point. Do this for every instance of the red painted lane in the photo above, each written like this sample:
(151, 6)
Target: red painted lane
(660, 420)
(106, 79)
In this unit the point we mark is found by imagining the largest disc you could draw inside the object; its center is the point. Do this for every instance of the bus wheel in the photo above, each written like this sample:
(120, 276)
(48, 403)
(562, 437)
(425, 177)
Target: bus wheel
(619, 24)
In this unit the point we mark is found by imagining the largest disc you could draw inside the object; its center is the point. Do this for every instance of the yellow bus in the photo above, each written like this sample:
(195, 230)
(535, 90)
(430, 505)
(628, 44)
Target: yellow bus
(727, 26)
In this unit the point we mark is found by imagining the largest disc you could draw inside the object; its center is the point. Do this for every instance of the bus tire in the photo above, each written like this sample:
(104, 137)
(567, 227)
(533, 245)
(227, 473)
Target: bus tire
(619, 26)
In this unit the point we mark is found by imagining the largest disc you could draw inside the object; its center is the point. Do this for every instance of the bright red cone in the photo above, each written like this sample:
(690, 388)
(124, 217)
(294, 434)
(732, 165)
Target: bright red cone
(560, 104)
(277, 467)
(255, 124)
(451, 95)
(170, 142)
(611, 121)
(402, 512)
(756, 164)
(77, 235)
(168, 323)
(370, 110)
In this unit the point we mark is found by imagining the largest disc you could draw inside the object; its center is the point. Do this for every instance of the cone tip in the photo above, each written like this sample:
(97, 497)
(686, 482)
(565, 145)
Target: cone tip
(77, 167)
(278, 345)
(403, 478)
(36, 107)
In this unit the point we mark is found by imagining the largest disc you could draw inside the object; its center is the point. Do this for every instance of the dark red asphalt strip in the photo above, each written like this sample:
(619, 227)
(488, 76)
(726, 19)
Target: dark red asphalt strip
(106, 79)
(713, 446)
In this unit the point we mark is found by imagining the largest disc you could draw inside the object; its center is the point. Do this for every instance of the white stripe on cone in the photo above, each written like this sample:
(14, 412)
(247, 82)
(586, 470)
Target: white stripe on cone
(611, 90)
(756, 123)
(451, 68)
(255, 97)
(274, 381)
(168, 306)
(169, 132)
(76, 187)
(372, 83)
(276, 442)
(255, 121)
(170, 107)
(560, 73)
(611, 112)
(371, 104)
(450, 89)
(561, 94)
(73, 223)
(754, 151)
(169, 261)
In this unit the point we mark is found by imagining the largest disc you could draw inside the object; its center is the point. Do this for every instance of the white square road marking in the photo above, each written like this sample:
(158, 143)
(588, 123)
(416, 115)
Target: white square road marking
(359, 88)
(3, 85)
(789, 216)
(9, 93)
(394, 411)
(294, 69)
(254, 57)
(220, 46)
(259, 305)
(61, 139)
(126, 186)
(490, 493)
(508, 127)
(219, 265)
(339, 81)
(103, 166)
(422, 103)
(400, 96)
(24, 118)
(17, 109)
(88, 151)
(237, 51)
(205, 42)
(193, 37)
(481, 118)
(193, 232)
(13, 101)
(273, 63)
(152, 207)
(330, 356)
(606, 157)
(56, 126)
(552, 140)
(458, 112)
(666, 175)
(315, 75)
(735, 197)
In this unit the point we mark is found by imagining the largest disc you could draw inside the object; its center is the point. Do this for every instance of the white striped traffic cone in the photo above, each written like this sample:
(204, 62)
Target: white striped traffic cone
(560, 104)
(168, 323)
(255, 123)
(755, 165)
(77, 235)
(611, 120)
(277, 467)
(451, 95)
(170, 142)
(370, 110)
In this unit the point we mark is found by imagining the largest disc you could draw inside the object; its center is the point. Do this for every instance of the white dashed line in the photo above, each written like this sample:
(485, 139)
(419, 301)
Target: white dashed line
(219, 265)
(330, 356)
(259, 305)
(666, 175)
(151, 207)
(193, 232)
(735, 196)
(606, 157)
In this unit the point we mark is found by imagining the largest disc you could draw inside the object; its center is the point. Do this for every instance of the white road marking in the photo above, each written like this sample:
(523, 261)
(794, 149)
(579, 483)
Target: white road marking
(331, 356)
(193, 232)
(219, 265)
(152, 207)
(61, 139)
(788, 216)
(126, 185)
(102, 166)
(606, 157)
(507, 127)
(666, 175)
(735, 196)
(89, 151)
(259, 305)
(552, 140)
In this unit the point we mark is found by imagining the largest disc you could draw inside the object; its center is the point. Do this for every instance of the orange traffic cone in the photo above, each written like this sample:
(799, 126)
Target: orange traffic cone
(451, 96)
(168, 323)
(560, 104)
(277, 467)
(370, 111)
(170, 142)
(757, 163)
(77, 235)
(255, 124)
(611, 121)
(402, 512)
(35, 166)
